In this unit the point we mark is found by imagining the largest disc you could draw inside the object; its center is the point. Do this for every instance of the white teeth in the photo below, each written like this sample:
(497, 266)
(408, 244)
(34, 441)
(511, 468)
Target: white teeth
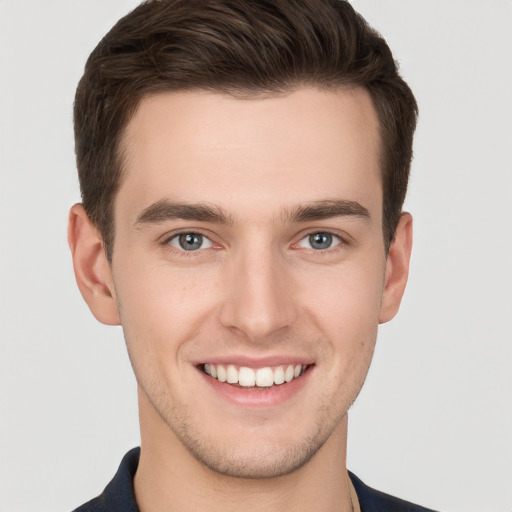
(249, 377)
(264, 377)
(279, 375)
(231, 374)
(221, 373)
(246, 377)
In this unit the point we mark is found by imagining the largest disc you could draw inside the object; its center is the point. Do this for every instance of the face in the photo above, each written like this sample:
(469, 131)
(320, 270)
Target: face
(249, 270)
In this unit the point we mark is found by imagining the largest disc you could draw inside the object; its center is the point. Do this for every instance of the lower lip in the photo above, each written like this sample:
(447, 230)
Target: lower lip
(257, 397)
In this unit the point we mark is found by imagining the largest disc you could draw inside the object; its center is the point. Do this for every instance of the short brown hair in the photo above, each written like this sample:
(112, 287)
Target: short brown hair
(239, 47)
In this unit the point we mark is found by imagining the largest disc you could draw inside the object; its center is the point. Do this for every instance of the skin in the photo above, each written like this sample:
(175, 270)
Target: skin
(256, 289)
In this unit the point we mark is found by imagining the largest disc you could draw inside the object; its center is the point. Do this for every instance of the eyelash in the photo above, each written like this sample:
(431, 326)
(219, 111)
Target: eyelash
(166, 243)
(338, 240)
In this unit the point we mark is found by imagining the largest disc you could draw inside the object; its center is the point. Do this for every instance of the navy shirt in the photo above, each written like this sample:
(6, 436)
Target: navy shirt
(119, 496)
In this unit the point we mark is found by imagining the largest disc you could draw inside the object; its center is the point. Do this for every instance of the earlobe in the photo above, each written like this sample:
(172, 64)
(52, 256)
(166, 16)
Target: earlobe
(397, 269)
(92, 270)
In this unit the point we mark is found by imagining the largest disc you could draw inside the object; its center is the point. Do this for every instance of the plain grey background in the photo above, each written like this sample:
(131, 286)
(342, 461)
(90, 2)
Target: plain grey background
(433, 423)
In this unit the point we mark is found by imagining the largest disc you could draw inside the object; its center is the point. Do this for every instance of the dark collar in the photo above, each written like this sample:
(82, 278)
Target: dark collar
(119, 495)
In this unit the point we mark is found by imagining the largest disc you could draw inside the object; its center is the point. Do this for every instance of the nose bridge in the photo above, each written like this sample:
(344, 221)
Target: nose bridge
(258, 301)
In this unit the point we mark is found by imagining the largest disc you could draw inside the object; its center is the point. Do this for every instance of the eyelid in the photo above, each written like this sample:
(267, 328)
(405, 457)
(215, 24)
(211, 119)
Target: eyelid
(336, 240)
(165, 240)
(206, 242)
(341, 237)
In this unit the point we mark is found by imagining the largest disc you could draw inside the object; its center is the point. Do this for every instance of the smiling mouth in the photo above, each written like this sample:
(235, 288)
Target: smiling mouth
(246, 377)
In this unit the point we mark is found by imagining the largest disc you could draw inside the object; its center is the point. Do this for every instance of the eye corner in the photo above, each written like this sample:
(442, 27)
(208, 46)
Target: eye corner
(319, 240)
(187, 242)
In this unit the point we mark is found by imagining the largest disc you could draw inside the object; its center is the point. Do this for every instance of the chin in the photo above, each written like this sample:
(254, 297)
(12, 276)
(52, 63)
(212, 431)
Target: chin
(261, 461)
(252, 453)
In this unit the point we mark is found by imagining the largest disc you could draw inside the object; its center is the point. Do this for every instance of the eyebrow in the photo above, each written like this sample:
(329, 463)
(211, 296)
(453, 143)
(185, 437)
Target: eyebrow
(164, 210)
(326, 209)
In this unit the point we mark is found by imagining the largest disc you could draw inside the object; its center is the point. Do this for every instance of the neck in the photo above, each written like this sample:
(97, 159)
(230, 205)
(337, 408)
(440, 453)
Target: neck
(169, 478)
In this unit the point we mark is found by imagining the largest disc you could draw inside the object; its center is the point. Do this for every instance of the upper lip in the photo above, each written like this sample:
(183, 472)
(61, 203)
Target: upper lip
(257, 362)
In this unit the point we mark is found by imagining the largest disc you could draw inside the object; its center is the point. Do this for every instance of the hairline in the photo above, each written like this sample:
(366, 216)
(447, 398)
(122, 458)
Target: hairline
(242, 93)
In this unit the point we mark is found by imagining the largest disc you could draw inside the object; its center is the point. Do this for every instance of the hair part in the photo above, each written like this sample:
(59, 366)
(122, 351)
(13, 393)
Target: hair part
(245, 49)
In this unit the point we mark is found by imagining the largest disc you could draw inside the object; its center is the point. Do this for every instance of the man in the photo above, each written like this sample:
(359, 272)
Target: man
(243, 167)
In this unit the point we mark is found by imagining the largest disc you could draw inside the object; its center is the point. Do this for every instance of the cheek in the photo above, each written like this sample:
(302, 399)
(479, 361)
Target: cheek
(345, 299)
(344, 307)
(162, 304)
(161, 311)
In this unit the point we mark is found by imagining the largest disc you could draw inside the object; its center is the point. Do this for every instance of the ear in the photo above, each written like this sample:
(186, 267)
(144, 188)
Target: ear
(92, 270)
(397, 269)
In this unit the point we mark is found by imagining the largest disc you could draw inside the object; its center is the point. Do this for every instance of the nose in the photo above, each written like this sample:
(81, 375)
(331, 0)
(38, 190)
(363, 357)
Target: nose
(259, 300)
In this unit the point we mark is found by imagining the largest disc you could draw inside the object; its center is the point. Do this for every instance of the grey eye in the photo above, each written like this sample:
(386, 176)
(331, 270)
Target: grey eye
(190, 242)
(320, 240)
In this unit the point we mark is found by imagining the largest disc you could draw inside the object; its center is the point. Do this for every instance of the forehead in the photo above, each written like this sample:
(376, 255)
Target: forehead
(202, 146)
